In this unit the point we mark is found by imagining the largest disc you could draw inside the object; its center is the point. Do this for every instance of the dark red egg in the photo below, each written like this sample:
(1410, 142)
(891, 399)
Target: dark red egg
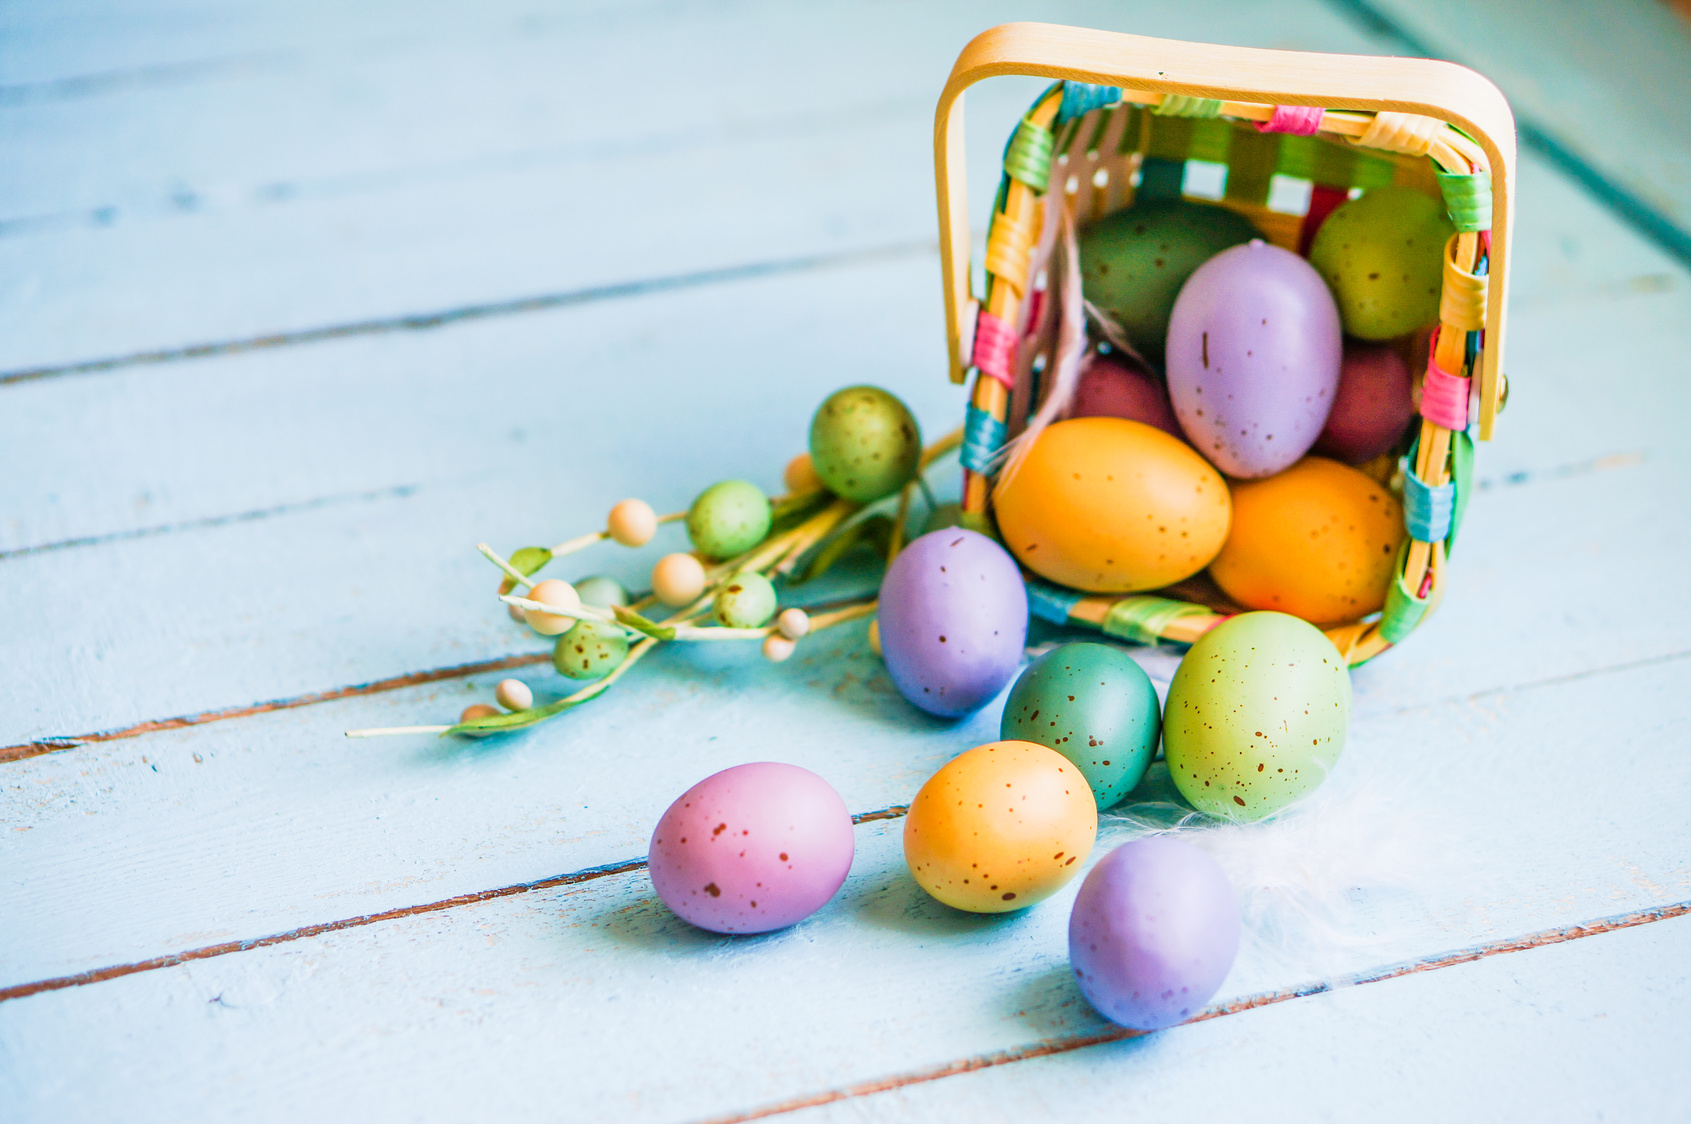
(1111, 388)
(1372, 406)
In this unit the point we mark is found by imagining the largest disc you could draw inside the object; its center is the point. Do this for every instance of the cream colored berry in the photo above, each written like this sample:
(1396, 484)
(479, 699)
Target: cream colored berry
(875, 636)
(800, 475)
(513, 694)
(516, 614)
(777, 647)
(479, 710)
(552, 591)
(632, 523)
(793, 623)
(678, 579)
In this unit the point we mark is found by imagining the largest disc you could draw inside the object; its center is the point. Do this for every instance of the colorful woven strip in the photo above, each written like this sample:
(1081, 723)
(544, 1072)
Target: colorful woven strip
(1461, 475)
(995, 348)
(1007, 249)
(1144, 620)
(1298, 120)
(1467, 199)
(1181, 105)
(1427, 511)
(1028, 158)
(1444, 398)
(983, 437)
(1161, 179)
(1408, 133)
(1081, 98)
(1463, 295)
(1403, 609)
(1050, 602)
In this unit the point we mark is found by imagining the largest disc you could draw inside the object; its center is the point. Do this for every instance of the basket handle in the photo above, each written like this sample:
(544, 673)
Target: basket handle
(1423, 86)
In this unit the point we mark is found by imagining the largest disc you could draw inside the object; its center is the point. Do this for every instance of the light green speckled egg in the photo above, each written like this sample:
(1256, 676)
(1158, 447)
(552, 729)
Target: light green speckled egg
(747, 601)
(864, 443)
(1382, 255)
(1256, 716)
(728, 519)
(590, 650)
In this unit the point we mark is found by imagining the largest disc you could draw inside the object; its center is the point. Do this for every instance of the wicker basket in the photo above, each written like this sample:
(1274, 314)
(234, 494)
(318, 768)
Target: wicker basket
(1124, 119)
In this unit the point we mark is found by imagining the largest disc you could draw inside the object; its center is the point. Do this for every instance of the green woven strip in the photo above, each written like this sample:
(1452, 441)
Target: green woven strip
(1144, 620)
(1403, 609)
(1462, 472)
(1180, 105)
(1250, 165)
(1029, 156)
(1467, 199)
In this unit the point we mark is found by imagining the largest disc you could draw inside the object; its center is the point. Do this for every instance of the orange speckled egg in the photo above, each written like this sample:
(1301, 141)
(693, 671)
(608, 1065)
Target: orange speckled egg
(1000, 828)
(1112, 506)
(1316, 541)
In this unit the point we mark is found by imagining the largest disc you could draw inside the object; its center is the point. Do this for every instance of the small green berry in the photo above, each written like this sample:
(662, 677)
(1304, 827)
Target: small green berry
(728, 519)
(590, 650)
(601, 592)
(747, 601)
(864, 443)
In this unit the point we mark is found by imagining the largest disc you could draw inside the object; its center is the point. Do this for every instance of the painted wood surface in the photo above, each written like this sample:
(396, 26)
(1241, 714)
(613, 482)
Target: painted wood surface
(196, 534)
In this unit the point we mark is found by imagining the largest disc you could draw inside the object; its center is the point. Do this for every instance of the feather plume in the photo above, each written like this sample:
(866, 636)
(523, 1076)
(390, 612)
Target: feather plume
(1070, 349)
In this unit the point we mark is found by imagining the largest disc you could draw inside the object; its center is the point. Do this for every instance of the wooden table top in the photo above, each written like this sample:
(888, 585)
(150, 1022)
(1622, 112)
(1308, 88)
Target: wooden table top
(300, 301)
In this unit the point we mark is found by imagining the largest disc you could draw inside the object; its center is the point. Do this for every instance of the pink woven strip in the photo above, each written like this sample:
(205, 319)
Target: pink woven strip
(1298, 120)
(995, 347)
(1444, 398)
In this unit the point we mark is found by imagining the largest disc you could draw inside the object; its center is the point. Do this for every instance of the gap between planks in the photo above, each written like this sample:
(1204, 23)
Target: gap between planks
(25, 750)
(424, 321)
(1070, 1043)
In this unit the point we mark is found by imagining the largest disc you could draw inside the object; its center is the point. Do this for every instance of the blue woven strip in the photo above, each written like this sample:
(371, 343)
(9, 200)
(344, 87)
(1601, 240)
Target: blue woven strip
(1427, 511)
(1081, 98)
(983, 436)
(1049, 602)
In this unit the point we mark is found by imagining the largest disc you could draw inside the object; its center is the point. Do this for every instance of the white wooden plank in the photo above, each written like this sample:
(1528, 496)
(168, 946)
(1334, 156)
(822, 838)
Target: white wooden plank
(600, 980)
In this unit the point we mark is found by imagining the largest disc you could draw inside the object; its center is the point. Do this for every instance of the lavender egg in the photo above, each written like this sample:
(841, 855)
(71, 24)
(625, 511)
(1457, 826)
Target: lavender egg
(752, 848)
(1253, 358)
(953, 619)
(1153, 932)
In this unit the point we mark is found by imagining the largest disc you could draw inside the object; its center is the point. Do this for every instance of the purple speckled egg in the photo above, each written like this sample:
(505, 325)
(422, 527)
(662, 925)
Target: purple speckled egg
(1253, 358)
(1153, 932)
(752, 848)
(953, 620)
(1111, 388)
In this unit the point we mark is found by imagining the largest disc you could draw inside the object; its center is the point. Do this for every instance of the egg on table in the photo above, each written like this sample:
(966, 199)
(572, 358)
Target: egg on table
(952, 620)
(1112, 506)
(1257, 715)
(1317, 541)
(1000, 828)
(1253, 358)
(753, 848)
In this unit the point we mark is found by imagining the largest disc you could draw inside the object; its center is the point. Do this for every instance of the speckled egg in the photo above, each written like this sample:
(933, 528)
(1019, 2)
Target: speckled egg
(1093, 704)
(1373, 405)
(1256, 715)
(1133, 262)
(953, 617)
(1000, 828)
(1153, 933)
(864, 443)
(1316, 541)
(590, 650)
(752, 848)
(1253, 358)
(1112, 506)
(1382, 254)
(728, 518)
(1111, 388)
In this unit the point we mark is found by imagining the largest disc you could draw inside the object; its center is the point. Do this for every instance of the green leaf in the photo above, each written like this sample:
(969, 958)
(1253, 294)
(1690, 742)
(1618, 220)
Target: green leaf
(527, 560)
(640, 624)
(516, 720)
(789, 511)
(875, 531)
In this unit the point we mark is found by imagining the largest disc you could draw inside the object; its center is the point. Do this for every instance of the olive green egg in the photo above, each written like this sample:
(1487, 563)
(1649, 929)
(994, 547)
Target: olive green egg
(590, 650)
(747, 601)
(1133, 262)
(728, 519)
(1256, 715)
(1382, 255)
(1094, 705)
(864, 443)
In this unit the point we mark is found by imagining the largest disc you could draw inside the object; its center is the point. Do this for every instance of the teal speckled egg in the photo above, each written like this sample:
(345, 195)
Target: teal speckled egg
(1256, 715)
(590, 650)
(1133, 263)
(747, 601)
(728, 519)
(1093, 704)
(1382, 254)
(864, 443)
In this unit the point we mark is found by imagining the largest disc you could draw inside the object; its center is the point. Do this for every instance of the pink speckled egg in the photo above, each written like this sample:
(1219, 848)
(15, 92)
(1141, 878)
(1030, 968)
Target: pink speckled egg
(752, 848)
